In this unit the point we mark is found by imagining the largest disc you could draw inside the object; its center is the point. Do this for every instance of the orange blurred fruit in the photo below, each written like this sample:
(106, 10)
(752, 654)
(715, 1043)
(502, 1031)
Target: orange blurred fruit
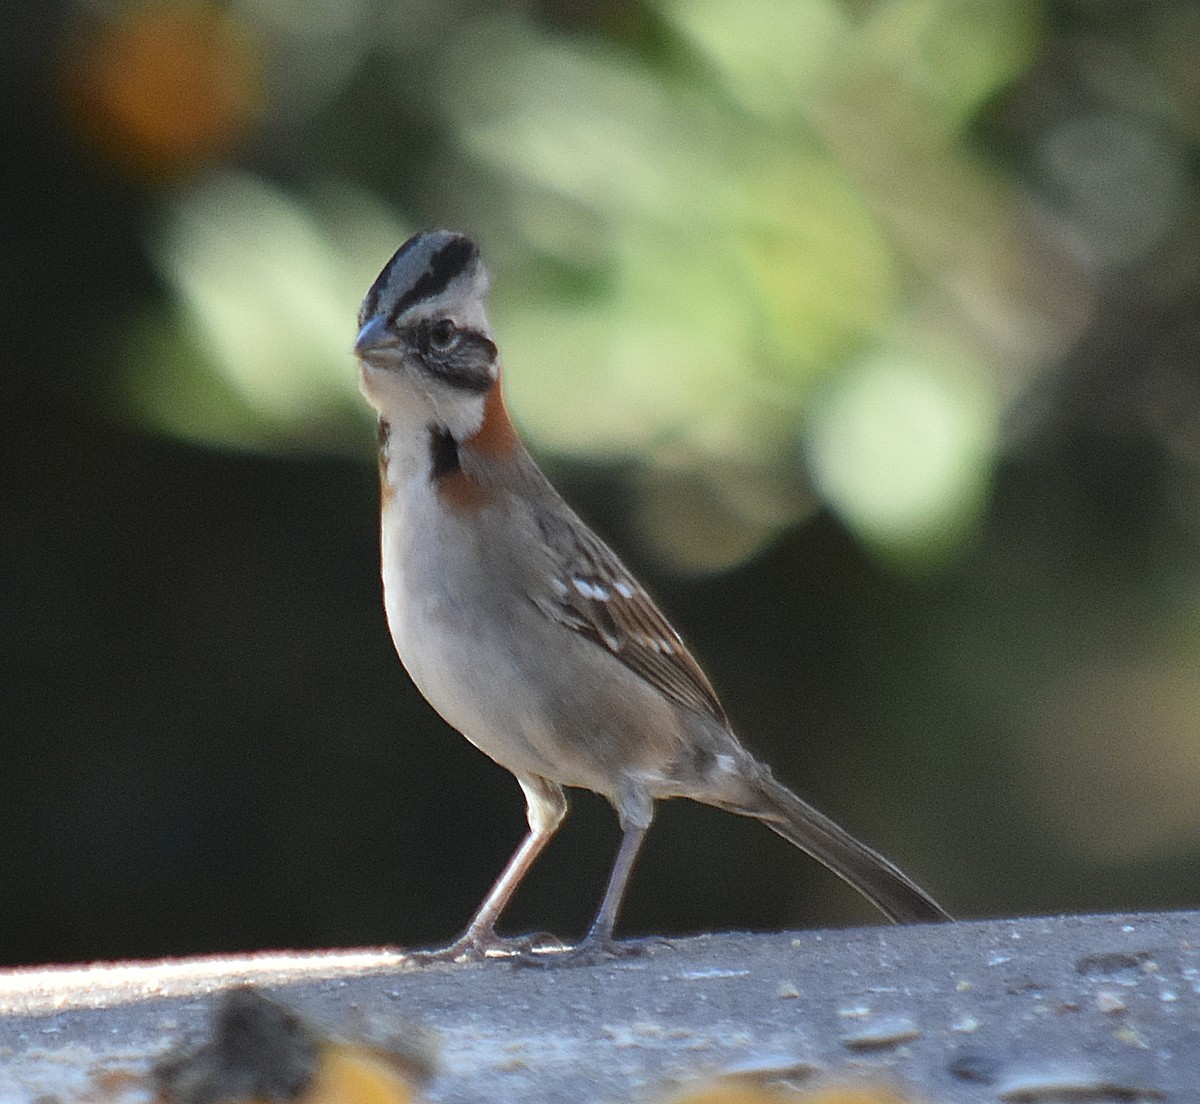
(161, 89)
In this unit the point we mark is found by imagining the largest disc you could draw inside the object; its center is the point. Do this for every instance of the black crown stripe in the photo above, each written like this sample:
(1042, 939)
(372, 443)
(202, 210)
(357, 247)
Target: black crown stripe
(371, 303)
(449, 261)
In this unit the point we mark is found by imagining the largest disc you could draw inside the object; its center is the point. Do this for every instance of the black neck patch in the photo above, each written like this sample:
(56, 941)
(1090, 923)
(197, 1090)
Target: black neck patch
(443, 452)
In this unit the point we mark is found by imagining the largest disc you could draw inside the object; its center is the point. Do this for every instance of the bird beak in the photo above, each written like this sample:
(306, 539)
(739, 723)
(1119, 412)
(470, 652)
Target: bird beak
(373, 336)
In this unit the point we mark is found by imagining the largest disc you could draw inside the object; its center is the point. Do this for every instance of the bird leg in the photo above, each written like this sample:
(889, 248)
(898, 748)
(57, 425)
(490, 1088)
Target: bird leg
(546, 806)
(599, 945)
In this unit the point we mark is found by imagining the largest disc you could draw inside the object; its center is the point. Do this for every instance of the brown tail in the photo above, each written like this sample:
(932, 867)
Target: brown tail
(886, 886)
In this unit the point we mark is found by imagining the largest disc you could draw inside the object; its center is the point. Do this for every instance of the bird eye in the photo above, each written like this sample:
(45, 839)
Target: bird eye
(443, 334)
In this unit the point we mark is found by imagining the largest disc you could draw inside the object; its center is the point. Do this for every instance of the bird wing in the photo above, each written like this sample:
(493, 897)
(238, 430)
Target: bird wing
(595, 594)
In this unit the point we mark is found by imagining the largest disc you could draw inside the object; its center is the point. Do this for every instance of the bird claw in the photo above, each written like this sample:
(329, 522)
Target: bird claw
(593, 951)
(540, 943)
(479, 947)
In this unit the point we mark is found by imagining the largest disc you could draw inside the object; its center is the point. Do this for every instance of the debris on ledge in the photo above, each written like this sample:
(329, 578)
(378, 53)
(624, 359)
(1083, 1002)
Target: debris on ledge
(1024, 1011)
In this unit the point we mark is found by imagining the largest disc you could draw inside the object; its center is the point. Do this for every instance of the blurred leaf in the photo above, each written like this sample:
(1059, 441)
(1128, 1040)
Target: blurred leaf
(710, 518)
(765, 50)
(170, 386)
(591, 125)
(1109, 753)
(956, 52)
(826, 275)
(687, 249)
(900, 447)
(1173, 46)
(270, 296)
(738, 267)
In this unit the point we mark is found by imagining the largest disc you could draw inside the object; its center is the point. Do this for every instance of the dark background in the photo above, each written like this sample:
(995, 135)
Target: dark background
(208, 743)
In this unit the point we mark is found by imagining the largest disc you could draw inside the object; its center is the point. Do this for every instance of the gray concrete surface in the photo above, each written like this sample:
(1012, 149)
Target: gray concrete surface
(1082, 1008)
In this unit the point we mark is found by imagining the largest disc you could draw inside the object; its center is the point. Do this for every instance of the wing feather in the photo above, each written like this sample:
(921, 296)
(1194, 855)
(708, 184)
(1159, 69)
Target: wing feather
(595, 594)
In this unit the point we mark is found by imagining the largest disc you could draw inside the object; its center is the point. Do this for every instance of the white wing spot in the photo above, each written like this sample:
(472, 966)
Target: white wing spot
(624, 589)
(591, 590)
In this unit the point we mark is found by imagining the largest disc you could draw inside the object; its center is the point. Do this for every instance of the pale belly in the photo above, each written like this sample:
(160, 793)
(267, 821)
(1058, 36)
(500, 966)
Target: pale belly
(535, 696)
(479, 672)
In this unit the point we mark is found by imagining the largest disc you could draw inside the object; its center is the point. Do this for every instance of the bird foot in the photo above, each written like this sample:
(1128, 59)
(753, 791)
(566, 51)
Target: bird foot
(592, 951)
(480, 946)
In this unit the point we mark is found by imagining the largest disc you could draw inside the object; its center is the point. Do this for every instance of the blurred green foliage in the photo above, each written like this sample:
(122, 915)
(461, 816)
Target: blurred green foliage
(696, 237)
(923, 274)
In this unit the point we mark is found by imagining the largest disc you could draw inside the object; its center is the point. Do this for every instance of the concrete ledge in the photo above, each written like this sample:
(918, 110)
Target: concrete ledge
(1086, 1008)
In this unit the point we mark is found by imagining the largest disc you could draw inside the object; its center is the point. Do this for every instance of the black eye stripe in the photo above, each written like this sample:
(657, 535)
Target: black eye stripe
(422, 339)
(467, 365)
